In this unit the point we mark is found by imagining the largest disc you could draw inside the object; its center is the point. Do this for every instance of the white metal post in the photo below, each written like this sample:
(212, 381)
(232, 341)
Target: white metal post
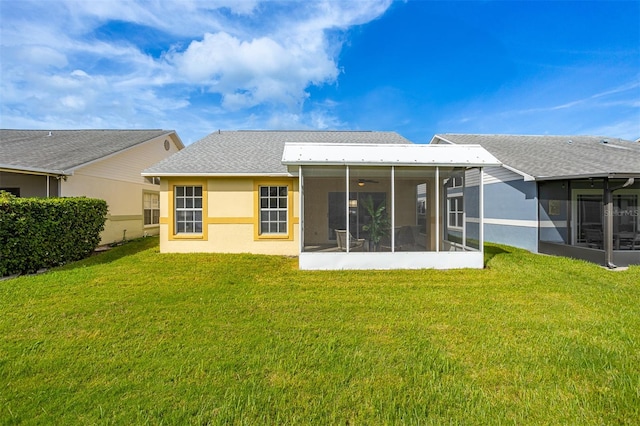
(393, 209)
(301, 208)
(437, 209)
(481, 195)
(348, 239)
(464, 211)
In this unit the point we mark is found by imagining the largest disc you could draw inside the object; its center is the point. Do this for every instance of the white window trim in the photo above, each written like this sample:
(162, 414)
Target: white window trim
(453, 181)
(144, 208)
(460, 226)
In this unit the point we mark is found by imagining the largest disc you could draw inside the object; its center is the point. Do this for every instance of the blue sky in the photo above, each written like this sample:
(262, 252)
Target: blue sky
(415, 67)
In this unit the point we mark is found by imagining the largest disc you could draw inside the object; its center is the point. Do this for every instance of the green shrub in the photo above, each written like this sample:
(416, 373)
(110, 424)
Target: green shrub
(43, 232)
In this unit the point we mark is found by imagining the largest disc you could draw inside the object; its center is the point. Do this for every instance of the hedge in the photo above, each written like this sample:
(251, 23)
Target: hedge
(39, 233)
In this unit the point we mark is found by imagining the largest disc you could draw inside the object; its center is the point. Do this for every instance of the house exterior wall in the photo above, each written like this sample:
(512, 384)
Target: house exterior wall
(117, 180)
(510, 209)
(230, 217)
(406, 213)
(554, 211)
(316, 220)
(30, 185)
(317, 206)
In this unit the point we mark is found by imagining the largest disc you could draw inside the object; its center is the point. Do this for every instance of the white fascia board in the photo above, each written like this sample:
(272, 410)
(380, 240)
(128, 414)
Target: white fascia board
(176, 139)
(435, 138)
(527, 177)
(326, 154)
(189, 174)
(609, 175)
(33, 170)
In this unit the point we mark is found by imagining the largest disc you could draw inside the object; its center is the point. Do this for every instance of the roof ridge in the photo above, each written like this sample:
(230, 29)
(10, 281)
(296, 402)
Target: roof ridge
(88, 130)
(532, 135)
(303, 131)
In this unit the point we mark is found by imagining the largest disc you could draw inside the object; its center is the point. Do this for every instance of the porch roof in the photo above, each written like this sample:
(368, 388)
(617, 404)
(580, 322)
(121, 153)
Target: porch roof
(326, 154)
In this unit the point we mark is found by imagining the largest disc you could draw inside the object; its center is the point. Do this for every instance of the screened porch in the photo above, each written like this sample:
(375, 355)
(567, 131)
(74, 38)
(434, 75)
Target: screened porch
(594, 219)
(388, 207)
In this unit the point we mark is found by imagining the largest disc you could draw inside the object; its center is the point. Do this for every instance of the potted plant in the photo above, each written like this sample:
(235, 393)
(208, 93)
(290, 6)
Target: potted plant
(379, 224)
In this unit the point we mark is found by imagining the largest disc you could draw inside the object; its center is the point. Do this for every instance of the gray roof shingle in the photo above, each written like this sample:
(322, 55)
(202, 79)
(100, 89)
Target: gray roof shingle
(549, 157)
(61, 151)
(256, 152)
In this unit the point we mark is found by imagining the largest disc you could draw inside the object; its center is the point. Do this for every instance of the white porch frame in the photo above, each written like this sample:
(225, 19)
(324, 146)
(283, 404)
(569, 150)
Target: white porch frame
(471, 156)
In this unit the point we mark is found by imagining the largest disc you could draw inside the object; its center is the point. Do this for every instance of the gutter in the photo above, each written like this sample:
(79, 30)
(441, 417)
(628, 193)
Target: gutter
(188, 174)
(605, 175)
(34, 171)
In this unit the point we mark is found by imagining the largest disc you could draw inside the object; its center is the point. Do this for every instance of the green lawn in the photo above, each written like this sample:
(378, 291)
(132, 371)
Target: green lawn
(136, 337)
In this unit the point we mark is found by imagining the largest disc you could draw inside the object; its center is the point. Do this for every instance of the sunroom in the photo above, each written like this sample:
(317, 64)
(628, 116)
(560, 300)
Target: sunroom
(377, 206)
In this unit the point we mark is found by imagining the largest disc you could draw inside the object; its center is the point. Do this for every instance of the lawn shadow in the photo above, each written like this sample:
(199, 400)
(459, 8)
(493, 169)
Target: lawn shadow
(104, 256)
(491, 251)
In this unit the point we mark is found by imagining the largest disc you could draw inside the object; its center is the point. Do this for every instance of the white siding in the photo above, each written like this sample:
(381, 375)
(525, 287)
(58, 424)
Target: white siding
(127, 166)
(499, 174)
(117, 180)
(491, 175)
(472, 177)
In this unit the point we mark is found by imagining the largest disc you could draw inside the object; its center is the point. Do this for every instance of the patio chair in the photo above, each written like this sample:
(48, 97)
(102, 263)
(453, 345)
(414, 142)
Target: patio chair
(356, 244)
(625, 240)
(593, 237)
(419, 237)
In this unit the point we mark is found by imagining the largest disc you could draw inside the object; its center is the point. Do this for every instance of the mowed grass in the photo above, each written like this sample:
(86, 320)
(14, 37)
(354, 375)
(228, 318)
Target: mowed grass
(133, 336)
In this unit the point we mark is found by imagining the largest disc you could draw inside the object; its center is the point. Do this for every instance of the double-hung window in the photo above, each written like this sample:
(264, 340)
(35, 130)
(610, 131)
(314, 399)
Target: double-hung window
(188, 206)
(151, 207)
(456, 212)
(274, 210)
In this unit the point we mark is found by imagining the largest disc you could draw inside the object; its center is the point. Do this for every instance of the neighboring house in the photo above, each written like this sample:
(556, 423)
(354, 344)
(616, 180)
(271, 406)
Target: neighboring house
(336, 199)
(575, 196)
(104, 164)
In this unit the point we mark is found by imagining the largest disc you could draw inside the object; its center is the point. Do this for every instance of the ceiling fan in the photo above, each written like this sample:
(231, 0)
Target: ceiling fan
(361, 182)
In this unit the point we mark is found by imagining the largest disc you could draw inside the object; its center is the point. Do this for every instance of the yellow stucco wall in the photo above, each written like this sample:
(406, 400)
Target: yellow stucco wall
(230, 217)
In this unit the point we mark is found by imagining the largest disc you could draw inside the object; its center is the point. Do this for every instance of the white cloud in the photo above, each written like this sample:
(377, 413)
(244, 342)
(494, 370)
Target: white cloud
(61, 61)
(73, 102)
(43, 56)
(249, 73)
(627, 129)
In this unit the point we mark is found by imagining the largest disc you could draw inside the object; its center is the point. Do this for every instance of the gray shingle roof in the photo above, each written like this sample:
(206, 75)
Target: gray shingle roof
(61, 151)
(254, 152)
(549, 157)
